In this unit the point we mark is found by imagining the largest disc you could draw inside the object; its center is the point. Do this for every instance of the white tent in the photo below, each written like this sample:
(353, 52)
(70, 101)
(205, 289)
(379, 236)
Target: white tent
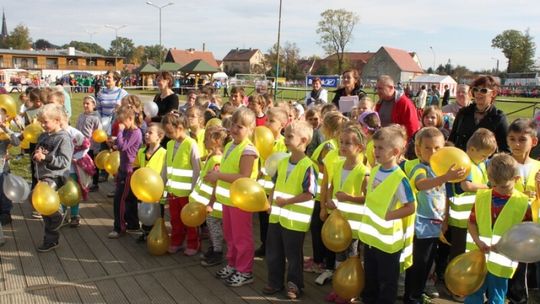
(440, 81)
(219, 75)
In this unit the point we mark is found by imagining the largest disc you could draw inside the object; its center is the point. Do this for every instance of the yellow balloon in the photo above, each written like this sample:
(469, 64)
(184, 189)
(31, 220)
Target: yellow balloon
(349, 279)
(264, 141)
(100, 158)
(214, 122)
(336, 232)
(445, 157)
(44, 199)
(248, 195)
(465, 274)
(147, 185)
(25, 144)
(32, 132)
(99, 136)
(70, 193)
(9, 105)
(193, 214)
(112, 163)
(158, 240)
(4, 135)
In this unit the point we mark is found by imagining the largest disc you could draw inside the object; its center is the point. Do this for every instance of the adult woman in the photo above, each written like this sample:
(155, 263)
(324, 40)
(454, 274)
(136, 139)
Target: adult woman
(108, 98)
(482, 113)
(316, 96)
(463, 99)
(166, 99)
(350, 81)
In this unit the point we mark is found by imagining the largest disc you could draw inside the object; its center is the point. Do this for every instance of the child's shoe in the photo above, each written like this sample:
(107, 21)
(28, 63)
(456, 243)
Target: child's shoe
(225, 272)
(293, 292)
(75, 222)
(113, 234)
(239, 279)
(208, 253)
(190, 252)
(36, 215)
(174, 249)
(45, 247)
(325, 276)
(215, 259)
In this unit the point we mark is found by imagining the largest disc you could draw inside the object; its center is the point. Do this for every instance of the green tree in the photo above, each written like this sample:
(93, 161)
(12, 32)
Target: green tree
(155, 53)
(122, 47)
(336, 31)
(92, 48)
(271, 58)
(518, 48)
(42, 44)
(19, 38)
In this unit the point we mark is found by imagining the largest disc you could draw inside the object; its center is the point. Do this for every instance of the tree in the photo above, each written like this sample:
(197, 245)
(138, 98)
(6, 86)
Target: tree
(271, 58)
(155, 53)
(19, 38)
(518, 48)
(42, 44)
(122, 47)
(87, 47)
(335, 28)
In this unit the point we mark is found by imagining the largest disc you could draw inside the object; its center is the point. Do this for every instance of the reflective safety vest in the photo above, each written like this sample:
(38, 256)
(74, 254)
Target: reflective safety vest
(297, 216)
(461, 204)
(200, 143)
(409, 166)
(315, 157)
(179, 168)
(388, 236)
(512, 213)
(370, 154)
(156, 161)
(529, 185)
(231, 164)
(203, 190)
(266, 180)
(352, 185)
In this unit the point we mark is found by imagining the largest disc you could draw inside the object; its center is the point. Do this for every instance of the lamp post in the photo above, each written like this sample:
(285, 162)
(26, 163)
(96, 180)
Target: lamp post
(91, 35)
(159, 8)
(115, 28)
(277, 51)
(497, 66)
(434, 58)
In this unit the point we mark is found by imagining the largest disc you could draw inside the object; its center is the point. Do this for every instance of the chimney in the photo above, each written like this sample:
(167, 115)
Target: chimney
(71, 51)
(203, 46)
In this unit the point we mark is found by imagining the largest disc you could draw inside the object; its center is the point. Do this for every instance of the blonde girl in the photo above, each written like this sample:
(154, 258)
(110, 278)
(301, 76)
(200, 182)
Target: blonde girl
(239, 160)
(195, 117)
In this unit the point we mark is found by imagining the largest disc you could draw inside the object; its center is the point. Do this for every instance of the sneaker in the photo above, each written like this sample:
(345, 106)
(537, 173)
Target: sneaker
(93, 188)
(239, 279)
(113, 234)
(75, 222)
(36, 215)
(308, 263)
(215, 259)
(260, 252)
(111, 194)
(269, 290)
(174, 249)
(293, 292)
(141, 239)
(431, 291)
(134, 230)
(225, 272)
(208, 253)
(315, 268)
(5, 219)
(45, 247)
(324, 277)
(190, 252)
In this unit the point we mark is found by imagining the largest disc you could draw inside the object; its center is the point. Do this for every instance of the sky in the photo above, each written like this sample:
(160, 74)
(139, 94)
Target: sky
(459, 31)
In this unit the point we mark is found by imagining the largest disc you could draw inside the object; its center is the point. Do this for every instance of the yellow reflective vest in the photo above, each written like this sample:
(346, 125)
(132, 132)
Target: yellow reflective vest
(461, 204)
(511, 214)
(332, 143)
(156, 161)
(266, 180)
(179, 167)
(529, 184)
(203, 190)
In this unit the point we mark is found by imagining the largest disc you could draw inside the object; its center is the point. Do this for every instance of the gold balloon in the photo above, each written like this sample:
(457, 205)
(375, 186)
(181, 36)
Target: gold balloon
(157, 240)
(214, 122)
(349, 279)
(25, 144)
(336, 232)
(32, 132)
(70, 193)
(445, 157)
(147, 185)
(112, 163)
(45, 200)
(9, 105)
(264, 141)
(465, 274)
(193, 214)
(248, 195)
(100, 158)
(99, 136)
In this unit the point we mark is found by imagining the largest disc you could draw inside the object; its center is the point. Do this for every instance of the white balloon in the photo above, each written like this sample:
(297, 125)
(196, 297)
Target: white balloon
(151, 109)
(148, 213)
(15, 188)
(271, 164)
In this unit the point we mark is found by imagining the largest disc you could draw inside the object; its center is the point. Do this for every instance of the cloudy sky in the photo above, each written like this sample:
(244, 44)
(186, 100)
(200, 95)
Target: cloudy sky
(455, 30)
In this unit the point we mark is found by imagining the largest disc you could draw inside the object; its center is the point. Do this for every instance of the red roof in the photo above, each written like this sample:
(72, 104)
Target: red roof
(240, 54)
(184, 57)
(403, 59)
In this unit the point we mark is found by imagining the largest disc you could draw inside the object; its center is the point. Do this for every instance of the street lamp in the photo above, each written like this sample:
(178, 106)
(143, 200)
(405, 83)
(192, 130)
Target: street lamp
(434, 58)
(91, 34)
(277, 51)
(497, 68)
(115, 28)
(159, 8)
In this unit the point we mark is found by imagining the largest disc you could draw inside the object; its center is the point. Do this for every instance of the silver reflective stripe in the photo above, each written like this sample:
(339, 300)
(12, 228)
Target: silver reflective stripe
(407, 252)
(386, 239)
(199, 198)
(355, 225)
(181, 172)
(459, 215)
(349, 207)
(217, 206)
(295, 216)
(320, 176)
(463, 200)
(275, 210)
(179, 185)
(222, 191)
(379, 221)
(206, 189)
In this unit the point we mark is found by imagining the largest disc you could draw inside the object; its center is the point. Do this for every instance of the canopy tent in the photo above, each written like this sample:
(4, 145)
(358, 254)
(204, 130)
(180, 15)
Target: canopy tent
(440, 81)
(198, 67)
(219, 75)
(149, 69)
(170, 67)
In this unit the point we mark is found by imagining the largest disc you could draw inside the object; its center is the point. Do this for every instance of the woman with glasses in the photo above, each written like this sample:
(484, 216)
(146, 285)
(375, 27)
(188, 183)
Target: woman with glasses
(481, 113)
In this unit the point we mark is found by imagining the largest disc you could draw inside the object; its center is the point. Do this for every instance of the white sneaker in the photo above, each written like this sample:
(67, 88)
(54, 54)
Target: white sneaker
(113, 235)
(431, 291)
(325, 276)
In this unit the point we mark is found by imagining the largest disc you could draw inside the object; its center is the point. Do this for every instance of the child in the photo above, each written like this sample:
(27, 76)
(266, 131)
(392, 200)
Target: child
(277, 120)
(495, 211)
(387, 218)
(290, 214)
(430, 212)
(8, 138)
(87, 123)
(203, 193)
(239, 160)
(257, 104)
(313, 116)
(37, 98)
(365, 104)
(237, 97)
(371, 122)
(52, 158)
(431, 117)
(195, 118)
(151, 155)
(347, 190)
(127, 142)
(183, 168)
(226, 111)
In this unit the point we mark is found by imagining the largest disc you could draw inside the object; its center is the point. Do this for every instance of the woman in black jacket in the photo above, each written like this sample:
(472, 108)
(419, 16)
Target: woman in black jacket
(350, 82)
(482, 113)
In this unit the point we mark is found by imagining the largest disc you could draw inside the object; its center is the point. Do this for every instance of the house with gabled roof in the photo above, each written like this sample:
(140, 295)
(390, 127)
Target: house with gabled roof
(244, 61)
(183, 57)
(399, 64)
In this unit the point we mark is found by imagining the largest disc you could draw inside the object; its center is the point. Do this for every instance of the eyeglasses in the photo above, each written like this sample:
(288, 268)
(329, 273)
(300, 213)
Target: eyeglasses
(481, 90)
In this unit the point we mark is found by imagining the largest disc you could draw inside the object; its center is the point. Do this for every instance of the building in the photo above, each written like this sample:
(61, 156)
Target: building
(399, 64)
(183, 57)
(244, 61)
(439, 81)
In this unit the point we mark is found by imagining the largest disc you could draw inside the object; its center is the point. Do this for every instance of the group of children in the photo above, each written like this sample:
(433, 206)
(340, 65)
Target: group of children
(397, 208)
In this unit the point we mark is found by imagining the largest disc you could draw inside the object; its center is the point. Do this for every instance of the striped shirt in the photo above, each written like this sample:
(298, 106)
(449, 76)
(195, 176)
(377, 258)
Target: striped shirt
(108, 99)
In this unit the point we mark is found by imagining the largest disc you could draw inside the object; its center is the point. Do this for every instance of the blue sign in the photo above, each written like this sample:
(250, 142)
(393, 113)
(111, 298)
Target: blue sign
(330, 81)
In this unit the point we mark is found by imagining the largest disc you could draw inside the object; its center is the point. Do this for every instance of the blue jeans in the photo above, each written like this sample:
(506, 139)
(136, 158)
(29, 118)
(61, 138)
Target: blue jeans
(495, 287)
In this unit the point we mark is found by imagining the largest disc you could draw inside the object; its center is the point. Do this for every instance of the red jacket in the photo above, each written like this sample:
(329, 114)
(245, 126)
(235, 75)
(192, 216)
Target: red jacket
(404, 113)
